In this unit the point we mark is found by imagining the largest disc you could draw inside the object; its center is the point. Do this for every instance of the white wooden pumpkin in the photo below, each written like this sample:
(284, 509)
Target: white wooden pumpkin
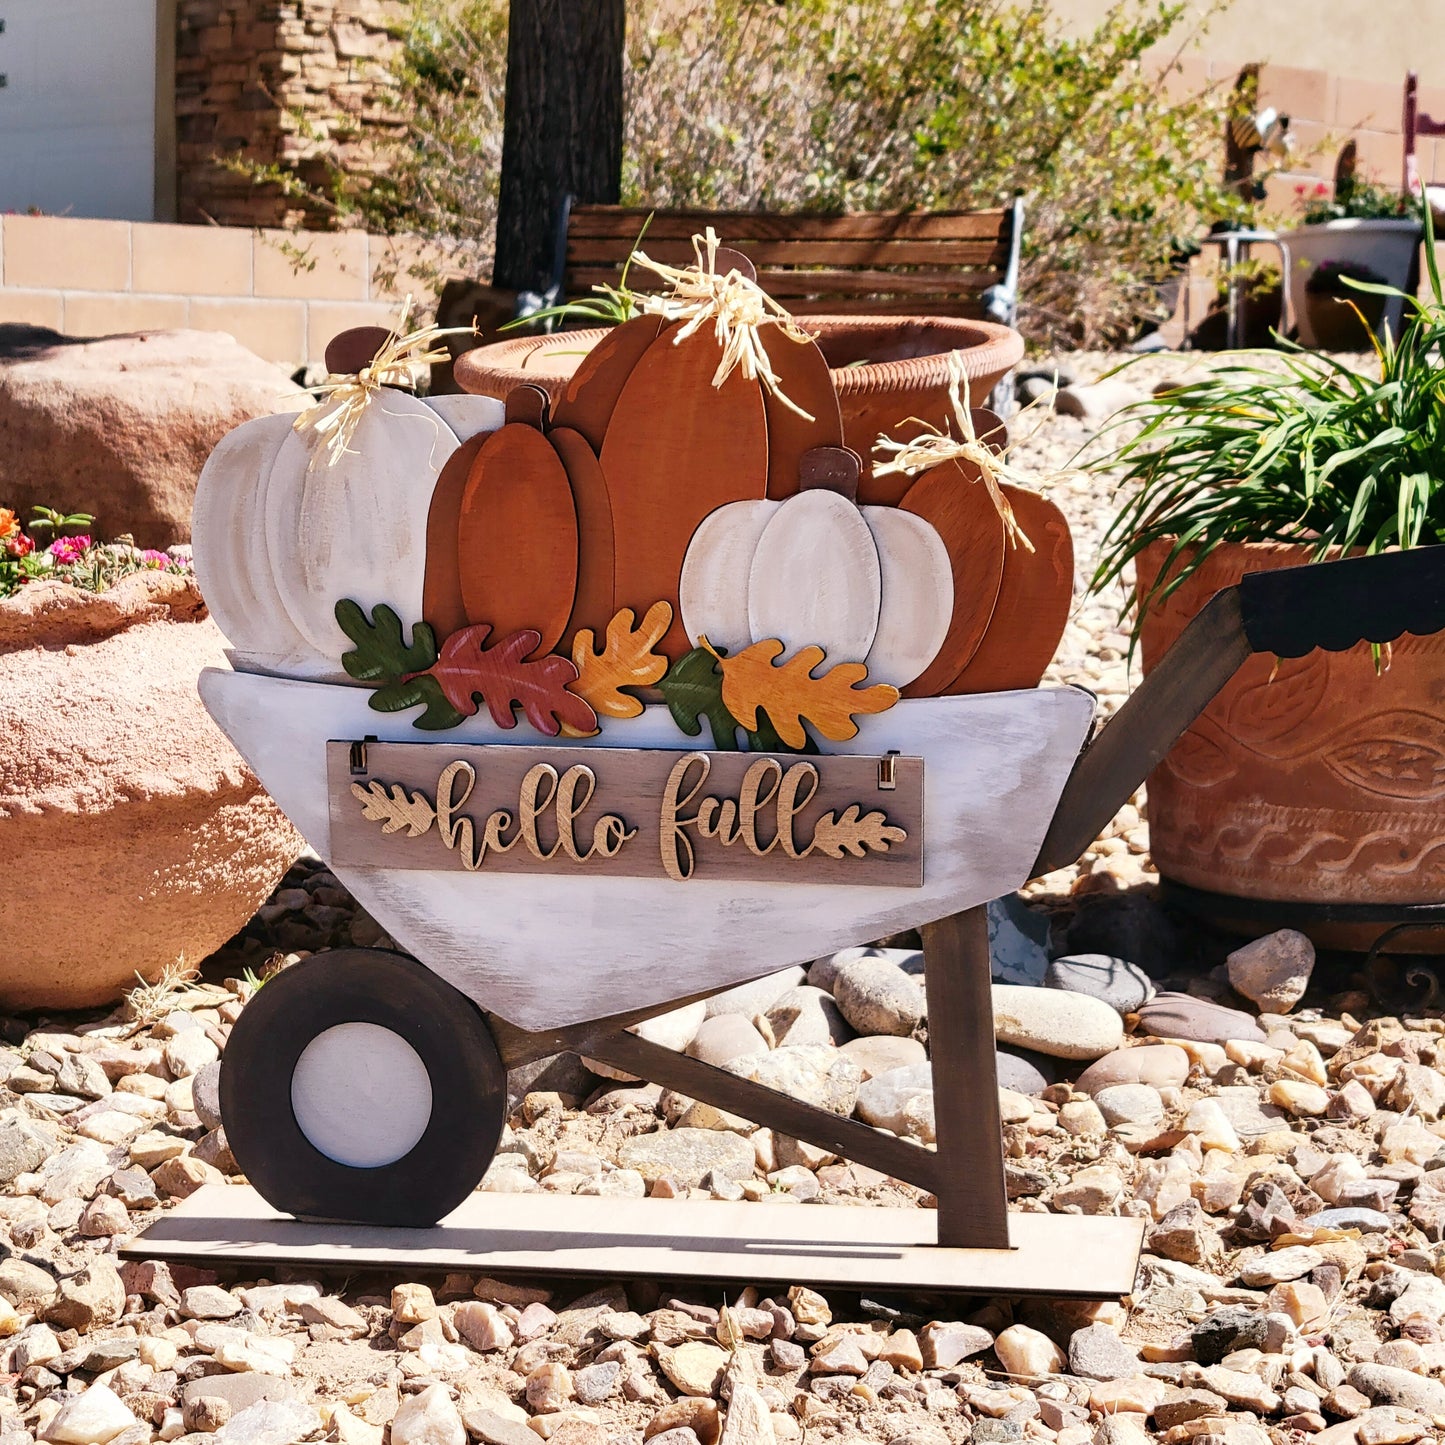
(866, 584)
(280, 534)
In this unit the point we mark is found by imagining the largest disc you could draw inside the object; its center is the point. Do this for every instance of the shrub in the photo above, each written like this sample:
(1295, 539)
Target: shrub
(831, 105)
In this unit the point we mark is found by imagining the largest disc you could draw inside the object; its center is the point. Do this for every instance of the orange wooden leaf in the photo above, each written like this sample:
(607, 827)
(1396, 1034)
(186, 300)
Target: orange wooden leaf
(790, 694)
(626, 660)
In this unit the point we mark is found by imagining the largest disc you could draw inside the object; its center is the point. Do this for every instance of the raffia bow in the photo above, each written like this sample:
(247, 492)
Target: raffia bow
(342, 399)
(935, 447)
(736, 307)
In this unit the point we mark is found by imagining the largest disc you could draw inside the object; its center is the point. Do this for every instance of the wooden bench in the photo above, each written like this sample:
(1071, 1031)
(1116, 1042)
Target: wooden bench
(942, 263)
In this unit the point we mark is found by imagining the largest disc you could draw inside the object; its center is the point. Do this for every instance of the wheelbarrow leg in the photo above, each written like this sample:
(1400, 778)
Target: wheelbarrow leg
(972, 1196)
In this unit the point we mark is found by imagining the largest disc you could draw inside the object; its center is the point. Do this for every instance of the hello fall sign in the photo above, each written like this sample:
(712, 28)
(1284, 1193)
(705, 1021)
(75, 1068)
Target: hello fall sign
(628, 813)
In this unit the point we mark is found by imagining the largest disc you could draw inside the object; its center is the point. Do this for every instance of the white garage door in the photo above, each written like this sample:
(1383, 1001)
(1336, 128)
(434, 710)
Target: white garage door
(77, 107)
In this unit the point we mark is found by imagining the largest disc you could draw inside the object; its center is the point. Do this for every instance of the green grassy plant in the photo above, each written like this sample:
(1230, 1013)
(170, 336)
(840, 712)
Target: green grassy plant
(1317, 454)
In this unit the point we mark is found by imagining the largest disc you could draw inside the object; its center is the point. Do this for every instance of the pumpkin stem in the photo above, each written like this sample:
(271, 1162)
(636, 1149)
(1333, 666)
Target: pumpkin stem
(832, 469)
(530, 405)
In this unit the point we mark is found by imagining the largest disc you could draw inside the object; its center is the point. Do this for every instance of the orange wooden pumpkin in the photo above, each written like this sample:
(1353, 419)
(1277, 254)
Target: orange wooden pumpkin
(502, 541)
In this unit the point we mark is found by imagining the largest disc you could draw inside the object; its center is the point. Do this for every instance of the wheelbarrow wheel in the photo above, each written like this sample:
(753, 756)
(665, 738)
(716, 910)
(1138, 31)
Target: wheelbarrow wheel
(359, 1086)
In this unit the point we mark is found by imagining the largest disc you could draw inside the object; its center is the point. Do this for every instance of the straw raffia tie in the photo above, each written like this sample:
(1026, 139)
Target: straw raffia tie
(342, 399)
(736, 306)
(935, 447)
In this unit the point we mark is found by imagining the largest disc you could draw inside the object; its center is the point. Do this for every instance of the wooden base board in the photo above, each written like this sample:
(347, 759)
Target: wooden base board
(852, 1248)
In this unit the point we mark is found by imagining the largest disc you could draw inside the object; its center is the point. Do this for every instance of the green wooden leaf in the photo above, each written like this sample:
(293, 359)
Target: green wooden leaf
(766, 739)
(397, 696)
(381, 653)
(693, 689)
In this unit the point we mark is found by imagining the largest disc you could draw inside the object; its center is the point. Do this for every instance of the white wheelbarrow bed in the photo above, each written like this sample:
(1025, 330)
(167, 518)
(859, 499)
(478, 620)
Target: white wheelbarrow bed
(544, 954)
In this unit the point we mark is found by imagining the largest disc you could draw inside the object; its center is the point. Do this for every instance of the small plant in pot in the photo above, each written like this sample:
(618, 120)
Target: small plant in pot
(1321, 778)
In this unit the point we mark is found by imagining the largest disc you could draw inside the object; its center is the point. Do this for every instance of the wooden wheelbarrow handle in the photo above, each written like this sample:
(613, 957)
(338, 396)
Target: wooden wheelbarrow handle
(1287, 612)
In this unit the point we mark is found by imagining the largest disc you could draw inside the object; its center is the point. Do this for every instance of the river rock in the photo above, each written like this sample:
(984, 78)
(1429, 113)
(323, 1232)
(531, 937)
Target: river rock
(1018, 941)
(1024, 1071)
(876, 1054)
(120, 426)
(901, 1101)
(688, 1154)
(429, 1418)
(725, 1037)
(823, 971)
(1162, 1066)
(1388, 1386)
(877, 997)
(1274, 971)
(282, 1422)
(1130, 1104)
(94, 1417)
(1095, 402)
(811, 1072)
(1064, 1025)
(1182, 1016)
(117, 788)
(757, 995)
(1123, 986)
(1028, 1353)
(807, 1015)
(1097, 1353)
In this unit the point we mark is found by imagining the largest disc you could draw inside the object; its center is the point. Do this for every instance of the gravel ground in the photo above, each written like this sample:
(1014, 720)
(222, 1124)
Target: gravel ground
(1274, 1118)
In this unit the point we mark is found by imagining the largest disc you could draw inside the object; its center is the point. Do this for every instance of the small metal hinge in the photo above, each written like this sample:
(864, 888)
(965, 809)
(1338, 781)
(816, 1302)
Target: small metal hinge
(888, 771)
(358, 755)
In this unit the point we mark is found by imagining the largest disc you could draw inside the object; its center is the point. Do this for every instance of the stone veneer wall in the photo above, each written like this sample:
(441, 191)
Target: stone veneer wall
(289, 82)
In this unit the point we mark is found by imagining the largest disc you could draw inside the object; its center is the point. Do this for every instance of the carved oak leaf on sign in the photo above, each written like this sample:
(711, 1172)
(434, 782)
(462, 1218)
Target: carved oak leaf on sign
(503, 677)
(396, 809)
(846, 832)
(752, 681)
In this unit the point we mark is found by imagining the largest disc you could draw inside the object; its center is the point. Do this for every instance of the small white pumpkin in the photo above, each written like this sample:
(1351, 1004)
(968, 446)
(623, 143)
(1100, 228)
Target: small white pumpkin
(866, 584)
(280, 534)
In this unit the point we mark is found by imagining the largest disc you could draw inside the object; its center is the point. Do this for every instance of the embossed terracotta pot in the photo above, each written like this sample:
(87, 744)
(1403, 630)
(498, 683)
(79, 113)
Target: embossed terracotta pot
(887, 369)
(1307, 779)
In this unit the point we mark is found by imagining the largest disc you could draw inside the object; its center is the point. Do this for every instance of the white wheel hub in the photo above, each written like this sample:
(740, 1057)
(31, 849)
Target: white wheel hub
(361, 1095)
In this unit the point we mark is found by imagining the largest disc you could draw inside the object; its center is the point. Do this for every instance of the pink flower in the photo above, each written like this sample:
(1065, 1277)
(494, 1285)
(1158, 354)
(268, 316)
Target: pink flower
(151, 558)
(69, 549)
(1321, 189)
(18, 545)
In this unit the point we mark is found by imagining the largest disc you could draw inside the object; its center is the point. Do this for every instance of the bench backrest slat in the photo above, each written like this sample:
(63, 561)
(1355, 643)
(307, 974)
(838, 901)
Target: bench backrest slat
(894, 261)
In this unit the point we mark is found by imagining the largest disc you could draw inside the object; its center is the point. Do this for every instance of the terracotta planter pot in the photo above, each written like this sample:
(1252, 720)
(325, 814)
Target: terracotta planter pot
(134, 834)
(886, 368)
(1309, 779)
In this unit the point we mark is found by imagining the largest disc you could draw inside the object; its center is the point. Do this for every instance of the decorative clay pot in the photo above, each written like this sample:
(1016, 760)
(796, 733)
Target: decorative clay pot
(1387, 246)
(135, 837)
(887, 369)
(1308, 779)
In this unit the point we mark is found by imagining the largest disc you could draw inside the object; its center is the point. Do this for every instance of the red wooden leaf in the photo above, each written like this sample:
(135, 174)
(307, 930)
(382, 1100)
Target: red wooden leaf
(503, 678)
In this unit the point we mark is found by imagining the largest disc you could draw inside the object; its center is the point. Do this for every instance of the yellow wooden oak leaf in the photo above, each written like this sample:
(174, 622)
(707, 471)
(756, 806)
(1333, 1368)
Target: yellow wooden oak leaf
(626, 660)
(790, 694)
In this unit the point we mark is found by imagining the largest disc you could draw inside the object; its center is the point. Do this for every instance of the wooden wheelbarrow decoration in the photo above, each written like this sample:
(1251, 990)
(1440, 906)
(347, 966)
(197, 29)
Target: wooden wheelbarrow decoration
(555, 884)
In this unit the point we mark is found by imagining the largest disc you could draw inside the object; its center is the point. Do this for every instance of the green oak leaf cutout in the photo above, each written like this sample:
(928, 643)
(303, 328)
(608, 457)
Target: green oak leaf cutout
(693, 691)
(381, 654)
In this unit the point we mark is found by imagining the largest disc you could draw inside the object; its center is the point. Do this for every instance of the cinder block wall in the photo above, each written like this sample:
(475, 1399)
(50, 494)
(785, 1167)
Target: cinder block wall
(283, 294)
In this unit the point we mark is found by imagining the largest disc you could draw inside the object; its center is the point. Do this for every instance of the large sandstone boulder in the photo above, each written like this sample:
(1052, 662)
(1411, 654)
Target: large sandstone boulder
(120, 427)
(134, 835)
